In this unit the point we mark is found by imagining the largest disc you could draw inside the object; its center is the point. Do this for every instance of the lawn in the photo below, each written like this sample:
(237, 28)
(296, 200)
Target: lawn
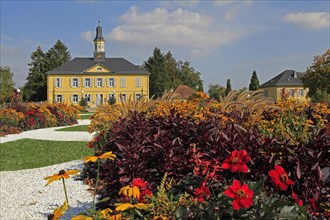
(29, 153)
(86, 116)
(75, 128)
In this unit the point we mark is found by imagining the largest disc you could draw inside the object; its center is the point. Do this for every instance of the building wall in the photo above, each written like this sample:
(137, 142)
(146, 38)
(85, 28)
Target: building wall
(62, 85)
(297, 92)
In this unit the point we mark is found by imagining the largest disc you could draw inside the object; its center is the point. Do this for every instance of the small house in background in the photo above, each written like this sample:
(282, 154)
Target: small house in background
(184, 91)
(285, 85)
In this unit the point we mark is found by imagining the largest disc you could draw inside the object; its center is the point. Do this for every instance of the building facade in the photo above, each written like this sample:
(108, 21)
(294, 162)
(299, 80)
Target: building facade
(97, 79)
(285, 85)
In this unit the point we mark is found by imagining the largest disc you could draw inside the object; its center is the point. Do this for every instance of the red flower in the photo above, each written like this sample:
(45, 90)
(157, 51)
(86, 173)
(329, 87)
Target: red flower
(298, 201)
(280, 178)
(140, 183)
(202, 192)
(242, 195)
(237, 161)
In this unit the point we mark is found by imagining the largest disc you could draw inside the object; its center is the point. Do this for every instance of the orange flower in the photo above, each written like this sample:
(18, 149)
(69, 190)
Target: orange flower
(125, 206)
(130, 191)
(108, 155)
(82, 217)
(58, 212)
(62, 174)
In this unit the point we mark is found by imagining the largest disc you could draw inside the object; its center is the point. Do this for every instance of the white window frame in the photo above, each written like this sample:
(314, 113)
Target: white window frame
(138, 82)
(122, 82)
(88, 97)
(110, 95)
(75, 98)
(58, 83)
(87, 82)
(99, 82)
(300, 92)
(291, 92)
(123, 98)
(111, 82)
(138, 96)
(75, 82)
(59, 98)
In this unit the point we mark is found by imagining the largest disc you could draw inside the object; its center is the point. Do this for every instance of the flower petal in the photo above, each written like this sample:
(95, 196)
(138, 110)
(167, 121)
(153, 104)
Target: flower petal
(279, 169)
(124, 206)
(236, 206)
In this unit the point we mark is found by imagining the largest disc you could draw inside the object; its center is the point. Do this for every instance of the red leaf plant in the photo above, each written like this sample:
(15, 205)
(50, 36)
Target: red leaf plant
(241, 194)
(237, 161)
(280, 178)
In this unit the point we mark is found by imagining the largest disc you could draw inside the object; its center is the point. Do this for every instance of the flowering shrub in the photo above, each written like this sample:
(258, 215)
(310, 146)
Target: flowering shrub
(16, 117)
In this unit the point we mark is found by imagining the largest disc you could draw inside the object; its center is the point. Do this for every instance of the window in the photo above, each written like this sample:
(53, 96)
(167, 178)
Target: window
(122, 82)
(99, 82)
(137, 96)
(75, 98)
(266, 93)
(88, 97)
(300, 92)
(75, 82)
(58, 82)
(111, 82)
(99, 69)
(87, 82)
(59, 98)
(291, 92)
(123, 97)
(137, 82)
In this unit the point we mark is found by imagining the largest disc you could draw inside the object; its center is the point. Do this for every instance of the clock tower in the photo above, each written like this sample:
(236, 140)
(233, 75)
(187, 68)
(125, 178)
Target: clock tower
(99, 50)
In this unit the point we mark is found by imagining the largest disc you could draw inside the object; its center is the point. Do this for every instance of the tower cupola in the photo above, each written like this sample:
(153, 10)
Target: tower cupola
(99, 45)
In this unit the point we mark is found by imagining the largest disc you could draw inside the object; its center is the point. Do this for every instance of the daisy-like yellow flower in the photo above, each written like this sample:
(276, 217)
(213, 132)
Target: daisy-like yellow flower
(62, 174)
(82, 217)
(108, 155)
(130, 191)
(125, 206)
(58, 212)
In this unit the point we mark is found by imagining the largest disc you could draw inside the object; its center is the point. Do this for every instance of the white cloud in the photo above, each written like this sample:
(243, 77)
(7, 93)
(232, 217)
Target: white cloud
(229, 2)
(179, 28)
(87, 36)
(6, 37)
(175, 3)
(310, 20)
(195, 53)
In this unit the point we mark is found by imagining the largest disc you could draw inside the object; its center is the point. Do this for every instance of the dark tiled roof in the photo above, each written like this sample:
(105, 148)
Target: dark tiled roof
(286, 78)
(80, 65)
(184, 90)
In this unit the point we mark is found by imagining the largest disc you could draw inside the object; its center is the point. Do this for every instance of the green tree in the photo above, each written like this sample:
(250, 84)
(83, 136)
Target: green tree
(6, 84)
(35, 88)
(228, 86)
(317, 78)
(171, 68)
(158, 78)
(189, 76)
(254, 82)
(216, 91)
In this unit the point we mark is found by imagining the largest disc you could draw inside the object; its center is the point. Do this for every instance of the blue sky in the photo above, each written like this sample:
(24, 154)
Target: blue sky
(221, 39)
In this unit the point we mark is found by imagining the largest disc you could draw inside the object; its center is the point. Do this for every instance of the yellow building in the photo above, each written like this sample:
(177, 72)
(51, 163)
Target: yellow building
(97, 79)
(287, 84)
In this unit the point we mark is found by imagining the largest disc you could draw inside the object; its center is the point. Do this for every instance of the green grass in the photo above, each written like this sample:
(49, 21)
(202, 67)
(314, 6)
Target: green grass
(75, 128)
(29, 153)
(86, 116)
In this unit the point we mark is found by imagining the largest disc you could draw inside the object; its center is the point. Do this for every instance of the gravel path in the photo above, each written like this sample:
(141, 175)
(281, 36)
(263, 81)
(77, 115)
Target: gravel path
(23, 194)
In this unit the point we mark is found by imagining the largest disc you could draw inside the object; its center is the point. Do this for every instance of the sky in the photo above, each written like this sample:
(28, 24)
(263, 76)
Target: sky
(221, 39)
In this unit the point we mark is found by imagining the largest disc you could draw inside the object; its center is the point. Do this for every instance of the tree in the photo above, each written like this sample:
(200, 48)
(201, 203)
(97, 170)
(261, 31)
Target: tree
(6, 84)
(228, 86)
(216, 91)
(167, 73)
(317, 78)
(254, 83)
(35, 88)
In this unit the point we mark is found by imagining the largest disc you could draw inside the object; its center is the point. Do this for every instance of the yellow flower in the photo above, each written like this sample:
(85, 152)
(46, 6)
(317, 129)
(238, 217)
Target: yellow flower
(82, 217)
(107, 155)
(130, 191)
(58, 212)
(125, 206)
(62, 174)
(106, 213)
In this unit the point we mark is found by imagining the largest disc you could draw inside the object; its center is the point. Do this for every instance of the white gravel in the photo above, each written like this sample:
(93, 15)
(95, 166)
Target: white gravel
(23, 194)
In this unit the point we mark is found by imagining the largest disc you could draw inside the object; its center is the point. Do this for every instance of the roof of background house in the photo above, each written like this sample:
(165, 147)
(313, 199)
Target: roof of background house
(286, 78)
(80, 65)
(184, 90)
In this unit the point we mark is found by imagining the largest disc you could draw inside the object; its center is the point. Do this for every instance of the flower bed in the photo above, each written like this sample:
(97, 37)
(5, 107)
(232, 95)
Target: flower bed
(18, 117)
(198, 159)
